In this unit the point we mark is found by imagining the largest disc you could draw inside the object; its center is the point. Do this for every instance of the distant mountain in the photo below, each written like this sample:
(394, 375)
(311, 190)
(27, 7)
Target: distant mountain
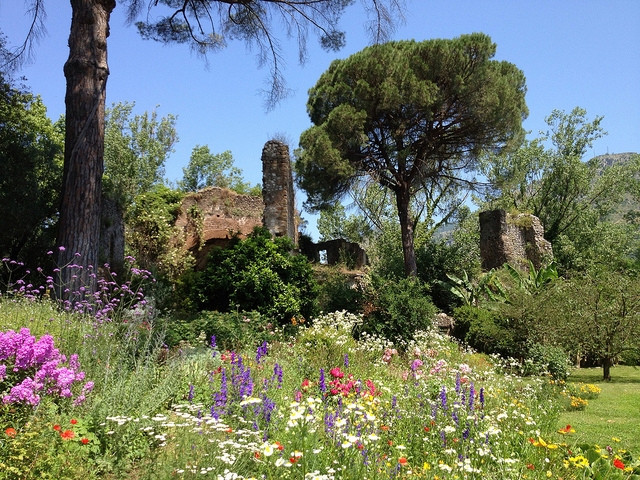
(610, 159)
(628, 203)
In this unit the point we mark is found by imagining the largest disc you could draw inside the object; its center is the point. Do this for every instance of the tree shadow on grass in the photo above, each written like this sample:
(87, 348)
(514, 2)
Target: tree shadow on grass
(619, 374)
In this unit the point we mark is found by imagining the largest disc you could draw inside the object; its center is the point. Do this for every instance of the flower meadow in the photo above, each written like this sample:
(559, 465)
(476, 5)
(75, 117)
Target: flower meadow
(100, 396)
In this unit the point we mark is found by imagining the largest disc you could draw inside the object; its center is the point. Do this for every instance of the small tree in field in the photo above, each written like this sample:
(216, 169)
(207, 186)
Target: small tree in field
(600, 317)
(411, 116)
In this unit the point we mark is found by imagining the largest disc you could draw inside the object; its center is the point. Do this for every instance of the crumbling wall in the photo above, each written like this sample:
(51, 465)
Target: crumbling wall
(213, 216)
(513, 239)
(337, 251)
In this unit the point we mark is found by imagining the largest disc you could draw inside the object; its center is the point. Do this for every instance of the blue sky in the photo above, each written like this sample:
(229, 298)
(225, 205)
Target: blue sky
(573, 52)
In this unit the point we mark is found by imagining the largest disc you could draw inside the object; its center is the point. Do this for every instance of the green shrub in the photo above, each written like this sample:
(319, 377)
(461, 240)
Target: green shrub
(232, 330)
(396, 309)
(549, 359)
(338, 291)
(259, 273)
(484, 330)
(630, 357)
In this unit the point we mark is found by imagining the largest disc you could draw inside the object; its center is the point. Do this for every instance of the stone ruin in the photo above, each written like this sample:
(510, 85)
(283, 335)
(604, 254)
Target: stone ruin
(336, 251)
(513, 239)
(213, 216)
(278, 192)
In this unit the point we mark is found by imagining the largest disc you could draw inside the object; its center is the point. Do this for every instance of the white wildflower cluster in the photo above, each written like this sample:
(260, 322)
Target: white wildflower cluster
(340, 321)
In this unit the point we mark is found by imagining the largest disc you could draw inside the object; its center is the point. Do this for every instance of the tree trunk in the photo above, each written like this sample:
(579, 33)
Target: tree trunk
(406, 227)
(606, 369)
(86, 72)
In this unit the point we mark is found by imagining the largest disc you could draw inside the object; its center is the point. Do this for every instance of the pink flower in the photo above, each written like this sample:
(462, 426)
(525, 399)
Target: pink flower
(336, 372)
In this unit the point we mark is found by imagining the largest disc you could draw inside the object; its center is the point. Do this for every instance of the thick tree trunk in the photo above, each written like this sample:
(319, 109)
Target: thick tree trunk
(406, 227)
(86, 72)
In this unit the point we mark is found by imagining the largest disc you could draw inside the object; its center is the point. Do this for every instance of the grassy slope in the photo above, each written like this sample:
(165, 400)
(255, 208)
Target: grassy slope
(615, 413)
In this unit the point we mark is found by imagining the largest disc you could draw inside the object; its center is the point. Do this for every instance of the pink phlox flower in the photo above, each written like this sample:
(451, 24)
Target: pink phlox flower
(24, 392)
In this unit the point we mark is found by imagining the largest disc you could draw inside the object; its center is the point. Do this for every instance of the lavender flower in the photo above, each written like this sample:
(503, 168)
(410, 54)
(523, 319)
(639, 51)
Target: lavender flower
(262, 352)
(321, 382)
(443, 398)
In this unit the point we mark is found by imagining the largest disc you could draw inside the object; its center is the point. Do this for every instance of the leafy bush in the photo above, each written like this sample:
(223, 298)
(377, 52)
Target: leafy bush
(152, 236)
(484, 330)
(231, 330)
(397, 309)
(258, 273)
(547, 359)
(435, 260)
(338, 291)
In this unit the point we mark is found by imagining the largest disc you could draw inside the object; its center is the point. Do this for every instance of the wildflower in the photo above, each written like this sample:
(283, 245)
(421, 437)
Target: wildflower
(84, 440)
(74, 421)
(402, 461)
(11, 432)
(267, 449)
(56, 428)
(67, 435)
(618, 464)
(566, 430)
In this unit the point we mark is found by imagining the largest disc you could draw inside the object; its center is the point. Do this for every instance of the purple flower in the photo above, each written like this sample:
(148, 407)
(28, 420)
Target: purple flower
(261, 352)
(321, 382)
(443, 398)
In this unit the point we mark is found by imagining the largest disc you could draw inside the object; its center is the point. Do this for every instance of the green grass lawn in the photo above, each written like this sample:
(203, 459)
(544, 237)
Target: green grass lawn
(614, 414)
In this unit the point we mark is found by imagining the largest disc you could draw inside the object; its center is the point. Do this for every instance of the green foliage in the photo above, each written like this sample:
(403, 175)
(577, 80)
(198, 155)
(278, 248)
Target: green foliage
(605, 309)
(547, 359)
(385, 113)
(232, 330)
(334, 223)
(31, 149)
(152, 237)
(338, 291)
(396, 309)
(259, 273)
(484, 330)
(206, 169)
(534, 279)
(135, 151)
(471, 293)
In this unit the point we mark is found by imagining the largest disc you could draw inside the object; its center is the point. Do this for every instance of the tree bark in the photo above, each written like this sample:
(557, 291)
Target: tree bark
(606, 369)
(403, 199)
(86, 72)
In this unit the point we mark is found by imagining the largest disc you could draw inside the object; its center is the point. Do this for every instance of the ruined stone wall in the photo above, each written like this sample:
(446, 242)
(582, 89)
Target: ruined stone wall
(277, 191)
(513, 239)
(337, 251)
(213, 216)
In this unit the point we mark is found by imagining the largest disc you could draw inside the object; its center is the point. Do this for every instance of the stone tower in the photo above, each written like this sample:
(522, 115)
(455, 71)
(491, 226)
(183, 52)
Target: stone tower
(513, 239)
(277, 191)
